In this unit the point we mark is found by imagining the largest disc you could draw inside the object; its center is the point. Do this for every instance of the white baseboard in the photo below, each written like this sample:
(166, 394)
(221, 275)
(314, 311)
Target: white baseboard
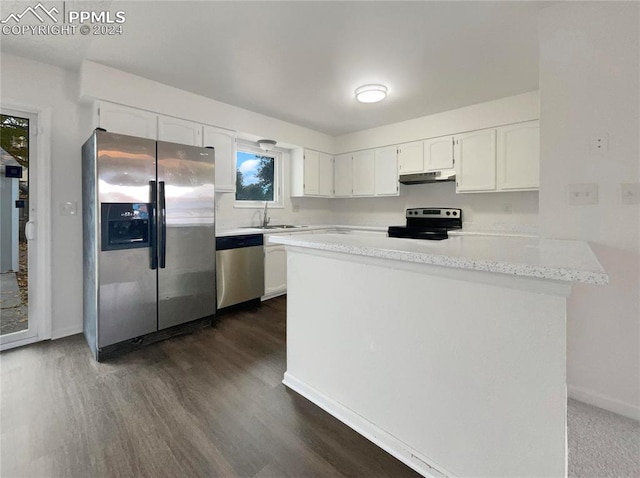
(370, 431)
(603, 401)
(65, 332)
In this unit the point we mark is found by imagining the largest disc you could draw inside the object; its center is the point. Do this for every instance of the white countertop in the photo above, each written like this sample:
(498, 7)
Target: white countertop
(526, 256)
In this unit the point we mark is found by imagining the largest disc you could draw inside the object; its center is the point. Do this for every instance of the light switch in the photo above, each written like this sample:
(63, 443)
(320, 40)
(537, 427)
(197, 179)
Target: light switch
(68, 208)
(582, 194)
(630, 193)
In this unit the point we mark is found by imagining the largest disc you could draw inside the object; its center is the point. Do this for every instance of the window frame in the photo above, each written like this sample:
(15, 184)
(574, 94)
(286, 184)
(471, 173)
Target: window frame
(276, 154)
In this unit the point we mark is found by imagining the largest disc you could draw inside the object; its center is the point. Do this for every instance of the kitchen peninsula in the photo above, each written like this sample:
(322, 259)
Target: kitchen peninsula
(450, 355)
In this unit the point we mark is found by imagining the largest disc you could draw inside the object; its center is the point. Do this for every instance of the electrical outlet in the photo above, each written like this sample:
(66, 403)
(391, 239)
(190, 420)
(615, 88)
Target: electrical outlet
(582, 194)
(68, 208)
(600, 143)
(630, 193)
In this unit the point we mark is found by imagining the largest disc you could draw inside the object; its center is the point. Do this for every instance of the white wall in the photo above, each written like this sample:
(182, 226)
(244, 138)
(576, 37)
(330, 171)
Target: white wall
(589, 84)
(512, 109)
(43, 86)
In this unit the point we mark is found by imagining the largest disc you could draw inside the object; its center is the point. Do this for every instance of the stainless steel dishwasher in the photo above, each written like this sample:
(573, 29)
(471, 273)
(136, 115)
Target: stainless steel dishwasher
(239, 269)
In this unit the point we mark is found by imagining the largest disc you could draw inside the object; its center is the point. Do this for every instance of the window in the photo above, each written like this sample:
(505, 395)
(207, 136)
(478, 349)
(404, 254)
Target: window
(257, 177)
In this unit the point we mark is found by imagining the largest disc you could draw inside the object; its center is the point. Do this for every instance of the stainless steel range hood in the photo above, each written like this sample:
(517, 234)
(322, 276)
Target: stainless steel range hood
(431, 177)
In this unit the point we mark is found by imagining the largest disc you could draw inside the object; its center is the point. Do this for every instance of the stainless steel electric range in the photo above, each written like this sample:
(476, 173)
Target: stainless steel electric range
(428, 223)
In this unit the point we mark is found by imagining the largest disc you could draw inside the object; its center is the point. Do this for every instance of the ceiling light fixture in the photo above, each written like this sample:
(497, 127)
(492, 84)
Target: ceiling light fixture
(266, 144)
(371, 93)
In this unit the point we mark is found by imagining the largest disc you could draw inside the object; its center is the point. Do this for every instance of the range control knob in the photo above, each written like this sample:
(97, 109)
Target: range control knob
(449, 213)
(455, 213)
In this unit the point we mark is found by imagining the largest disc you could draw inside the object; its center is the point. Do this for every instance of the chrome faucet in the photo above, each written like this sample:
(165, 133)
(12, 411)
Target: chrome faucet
(265, 219)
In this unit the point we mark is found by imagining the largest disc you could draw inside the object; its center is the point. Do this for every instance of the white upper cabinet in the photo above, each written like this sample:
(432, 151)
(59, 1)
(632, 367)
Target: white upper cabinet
(438, 153)
(386, 171)
(325, 183)
(411, 157)
(311, 172)
(224, 143)
(125, 120)
(343, 175)
(475, 156)
(179, 131)
(364, 173)
(519, 156)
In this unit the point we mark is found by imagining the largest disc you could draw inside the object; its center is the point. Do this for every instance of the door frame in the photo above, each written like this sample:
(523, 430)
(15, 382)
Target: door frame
(40, 200)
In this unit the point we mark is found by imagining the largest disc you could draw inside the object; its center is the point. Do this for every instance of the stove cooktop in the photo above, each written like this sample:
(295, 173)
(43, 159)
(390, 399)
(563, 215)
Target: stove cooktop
(428, 223)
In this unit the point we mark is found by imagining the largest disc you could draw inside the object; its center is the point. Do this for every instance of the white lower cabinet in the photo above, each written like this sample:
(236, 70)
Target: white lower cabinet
(275, 271)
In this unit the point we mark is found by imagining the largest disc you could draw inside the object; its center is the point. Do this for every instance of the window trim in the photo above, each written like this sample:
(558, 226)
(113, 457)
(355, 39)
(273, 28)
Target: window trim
(278, 169)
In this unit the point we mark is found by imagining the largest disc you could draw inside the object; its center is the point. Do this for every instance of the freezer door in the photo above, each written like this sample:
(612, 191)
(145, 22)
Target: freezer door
(127, 292)
(186, 234)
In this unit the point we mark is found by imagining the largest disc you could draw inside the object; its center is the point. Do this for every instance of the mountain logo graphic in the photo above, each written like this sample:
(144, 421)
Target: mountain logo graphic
(33, 10)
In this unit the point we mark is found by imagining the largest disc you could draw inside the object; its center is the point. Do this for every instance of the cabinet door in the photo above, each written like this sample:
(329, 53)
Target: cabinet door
(179, 131)
(410, 157)
(325, 187)
(224, 142)
(343, 175)
(438, 153)
(125, 120)
(519, 156)
(311, 172)
(275, 270)
(386, 171)
(475, 155)
(364, 173)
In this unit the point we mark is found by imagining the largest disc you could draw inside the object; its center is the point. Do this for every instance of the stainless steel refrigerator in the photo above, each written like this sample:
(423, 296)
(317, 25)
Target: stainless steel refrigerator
(149, 239)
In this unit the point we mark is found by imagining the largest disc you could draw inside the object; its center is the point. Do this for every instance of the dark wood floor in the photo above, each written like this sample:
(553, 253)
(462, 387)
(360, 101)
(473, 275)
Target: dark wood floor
(207, 404)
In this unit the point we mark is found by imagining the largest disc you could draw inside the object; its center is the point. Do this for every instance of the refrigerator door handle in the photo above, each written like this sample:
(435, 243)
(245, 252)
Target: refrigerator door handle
(154, 224)
(162, 205)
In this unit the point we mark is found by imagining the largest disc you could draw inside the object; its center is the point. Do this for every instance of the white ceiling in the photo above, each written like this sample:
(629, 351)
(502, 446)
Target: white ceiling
(301, 61)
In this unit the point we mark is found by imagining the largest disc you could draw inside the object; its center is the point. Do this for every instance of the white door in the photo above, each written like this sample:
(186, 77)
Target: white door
(386, 171)
(125, 120)
(275, 270)
(475, 155)
(364, 173)
(25, 302)
(224, 143)
(438, 153)
(179, 131)
(311, 172)
(410, 157)
(343, 175)
(325, 180)
(519, 156)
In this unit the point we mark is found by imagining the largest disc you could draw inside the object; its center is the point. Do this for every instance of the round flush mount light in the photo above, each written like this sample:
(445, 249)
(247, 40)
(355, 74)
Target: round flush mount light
(371, 93)
(266, 144)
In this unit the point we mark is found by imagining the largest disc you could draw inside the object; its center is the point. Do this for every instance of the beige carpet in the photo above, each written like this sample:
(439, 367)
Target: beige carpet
(602, 444)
